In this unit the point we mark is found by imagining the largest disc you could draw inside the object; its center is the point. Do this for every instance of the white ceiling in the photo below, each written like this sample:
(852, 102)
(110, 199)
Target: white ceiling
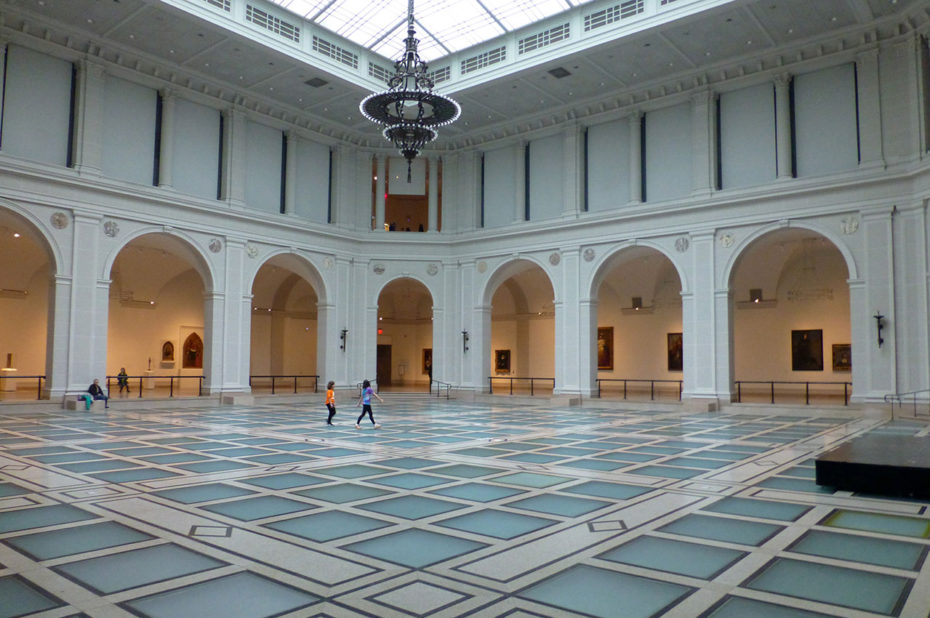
(732, 38)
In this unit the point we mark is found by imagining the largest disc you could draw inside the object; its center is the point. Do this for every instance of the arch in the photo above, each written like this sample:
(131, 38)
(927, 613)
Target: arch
(740, 249)
(186, 246)
(507, 269)
(377, 292)
(40, 233)
(298, 264)
(607, 261)
(405, 333)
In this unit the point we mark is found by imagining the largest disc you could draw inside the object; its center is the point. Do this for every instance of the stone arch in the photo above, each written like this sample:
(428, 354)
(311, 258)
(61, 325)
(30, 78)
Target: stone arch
(405, 332)
(297, 264)
(607, 260)
(508, 269)
(186, 245)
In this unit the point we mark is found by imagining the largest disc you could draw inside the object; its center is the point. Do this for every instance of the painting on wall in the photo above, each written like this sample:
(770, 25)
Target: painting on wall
(675, 361)
(428, 362)
(502, 361)
(807, 350)
(605, 347)
(842, 357)
(167, 351)
(193, 352)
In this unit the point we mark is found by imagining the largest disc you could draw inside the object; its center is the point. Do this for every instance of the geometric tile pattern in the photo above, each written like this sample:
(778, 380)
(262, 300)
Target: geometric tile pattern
(484, 508)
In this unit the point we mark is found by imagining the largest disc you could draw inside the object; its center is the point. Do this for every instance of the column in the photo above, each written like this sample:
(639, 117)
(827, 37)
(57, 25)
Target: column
(636, 157)
(290, 174)
(380, 188)
(166, 147)
(573, 161)
(58, 342)
(587, 346)
(703, 143)
(911, 288)
(432, 199)
(870, 115)
(700, 336)
(88, 118)
(569, 344)
(86, 353)
(478, 356)
(519, 181)
(234, 155)
(3, 44)
(783, 143)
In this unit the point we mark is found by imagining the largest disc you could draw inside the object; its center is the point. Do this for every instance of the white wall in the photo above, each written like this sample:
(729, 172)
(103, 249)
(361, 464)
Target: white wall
(747, 137)
(609, 165)
(129, 131)
(546, 178)
(312, 180)
(263, 168)
(500, 176)
(196, 149)
(668, 153)
(825, 121)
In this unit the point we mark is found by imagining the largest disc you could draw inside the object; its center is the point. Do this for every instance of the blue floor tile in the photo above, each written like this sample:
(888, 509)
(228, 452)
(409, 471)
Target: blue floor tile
(76, 540)
(202, 493)
(411, 507)
(415, 548)
(42, 516)
(682, 558)
(328, 526)
(20, 598)
(249, 509)
(497, 524)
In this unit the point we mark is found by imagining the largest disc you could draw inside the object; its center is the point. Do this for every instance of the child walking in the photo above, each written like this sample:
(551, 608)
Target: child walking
(330, 401)
(365, 402)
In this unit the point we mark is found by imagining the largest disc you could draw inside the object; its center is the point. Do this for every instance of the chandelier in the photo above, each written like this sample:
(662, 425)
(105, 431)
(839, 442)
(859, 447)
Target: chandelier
(408, 110)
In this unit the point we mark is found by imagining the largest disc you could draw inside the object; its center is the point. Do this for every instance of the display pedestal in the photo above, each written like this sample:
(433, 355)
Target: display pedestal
(148, 383)
(8, 384)
(879, 464)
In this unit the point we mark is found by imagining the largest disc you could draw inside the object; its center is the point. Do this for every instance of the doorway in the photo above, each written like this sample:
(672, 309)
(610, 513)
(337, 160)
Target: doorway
(383, 369)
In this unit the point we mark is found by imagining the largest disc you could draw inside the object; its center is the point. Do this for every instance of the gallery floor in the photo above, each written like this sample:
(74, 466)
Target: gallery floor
(450, 509)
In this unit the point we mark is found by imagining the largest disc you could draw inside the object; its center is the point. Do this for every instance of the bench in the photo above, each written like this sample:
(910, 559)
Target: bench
(72, 402)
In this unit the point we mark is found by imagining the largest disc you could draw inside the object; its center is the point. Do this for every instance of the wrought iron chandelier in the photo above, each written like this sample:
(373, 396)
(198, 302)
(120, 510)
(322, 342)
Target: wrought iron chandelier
(408, 110)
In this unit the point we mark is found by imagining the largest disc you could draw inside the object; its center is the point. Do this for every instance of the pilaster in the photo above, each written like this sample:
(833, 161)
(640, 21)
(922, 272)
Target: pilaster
(166, 147)
(88, 118)
(636, 157)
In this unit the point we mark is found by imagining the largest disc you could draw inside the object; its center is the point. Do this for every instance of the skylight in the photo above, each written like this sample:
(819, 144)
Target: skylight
(443, 26)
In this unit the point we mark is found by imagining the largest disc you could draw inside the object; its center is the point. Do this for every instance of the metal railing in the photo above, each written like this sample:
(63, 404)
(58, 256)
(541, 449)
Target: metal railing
(139, 382)
(900, 397)
(807, 388)
(532, 382)
(440, 386)
(285, 377)
(37, 378)
(652, 385)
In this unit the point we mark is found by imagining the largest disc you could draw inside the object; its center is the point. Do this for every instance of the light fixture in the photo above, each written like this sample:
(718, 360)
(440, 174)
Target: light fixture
(409, 110)
(342, 338)
(465, 338)
(879, 324)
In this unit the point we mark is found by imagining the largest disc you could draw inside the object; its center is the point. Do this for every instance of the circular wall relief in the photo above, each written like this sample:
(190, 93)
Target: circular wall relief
(482, 266)
(216, 245)
(554, 259)
(251, 250)
(681, 244)
(59, 220)
(111, 228)
(432, 269)
(727, 240)
(588, 254)
(328, 262)
(378, 269)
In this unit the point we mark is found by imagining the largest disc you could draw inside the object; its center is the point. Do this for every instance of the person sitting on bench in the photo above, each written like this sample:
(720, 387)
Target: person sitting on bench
(97, 393)
(122, 379)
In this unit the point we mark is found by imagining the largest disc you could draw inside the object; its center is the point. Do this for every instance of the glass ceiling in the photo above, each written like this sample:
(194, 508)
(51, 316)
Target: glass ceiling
(442, 26)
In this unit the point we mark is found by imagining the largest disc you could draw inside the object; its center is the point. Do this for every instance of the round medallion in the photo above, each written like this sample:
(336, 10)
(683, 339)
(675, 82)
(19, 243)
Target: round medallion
(681, 244)
(554, 259)
(849, 225)
(727, 240)
(432, 269)
(251, 250)
(59, 220)
(378, 269)
(588, 254)
(328, 262)
(216, 245)
(482, 267)
(111, 228)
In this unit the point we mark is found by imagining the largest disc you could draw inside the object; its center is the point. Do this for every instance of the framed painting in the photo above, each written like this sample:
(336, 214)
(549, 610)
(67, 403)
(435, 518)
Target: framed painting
(428, 361)
(842, 357)
(675, 355)
(502, 361)
(605, 347)
(807, 350)
(167, 351)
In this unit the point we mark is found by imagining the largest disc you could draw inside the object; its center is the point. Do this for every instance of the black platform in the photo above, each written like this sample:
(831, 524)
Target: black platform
(891, 465)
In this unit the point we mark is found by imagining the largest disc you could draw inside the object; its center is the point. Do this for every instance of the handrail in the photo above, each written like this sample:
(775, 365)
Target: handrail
(439, 386)
(532, 382)
(170, 378)
(17, 377)
(899, 397)
(807, 388)
(652, 385)
(316, 380)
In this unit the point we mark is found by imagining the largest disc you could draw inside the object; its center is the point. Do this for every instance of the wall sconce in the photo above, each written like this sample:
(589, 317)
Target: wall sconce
(465, 341)
(342, 338)
(879, 324)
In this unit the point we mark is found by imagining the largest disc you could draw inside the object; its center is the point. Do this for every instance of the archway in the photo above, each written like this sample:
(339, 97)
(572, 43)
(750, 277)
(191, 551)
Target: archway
(790, 310)
(284, 336)
(639, 319)
(405, 335)
(26, 270)
(156, 316)
(522, 343)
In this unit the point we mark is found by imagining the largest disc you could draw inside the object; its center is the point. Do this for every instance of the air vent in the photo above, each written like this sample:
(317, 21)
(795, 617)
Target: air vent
(667, 1)
(378, 72)
(559, 72)
(316, 82)
(485, 59)
(612, 14)
(440, 75)
(324, 47)
(271, 23)
(220, 4)
(543, 39)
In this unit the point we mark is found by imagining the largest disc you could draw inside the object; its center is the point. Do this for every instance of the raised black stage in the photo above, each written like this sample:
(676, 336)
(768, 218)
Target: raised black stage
(892, 465)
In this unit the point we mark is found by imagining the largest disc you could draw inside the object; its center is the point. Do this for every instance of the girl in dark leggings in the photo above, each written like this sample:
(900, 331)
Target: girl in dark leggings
(365, 402)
